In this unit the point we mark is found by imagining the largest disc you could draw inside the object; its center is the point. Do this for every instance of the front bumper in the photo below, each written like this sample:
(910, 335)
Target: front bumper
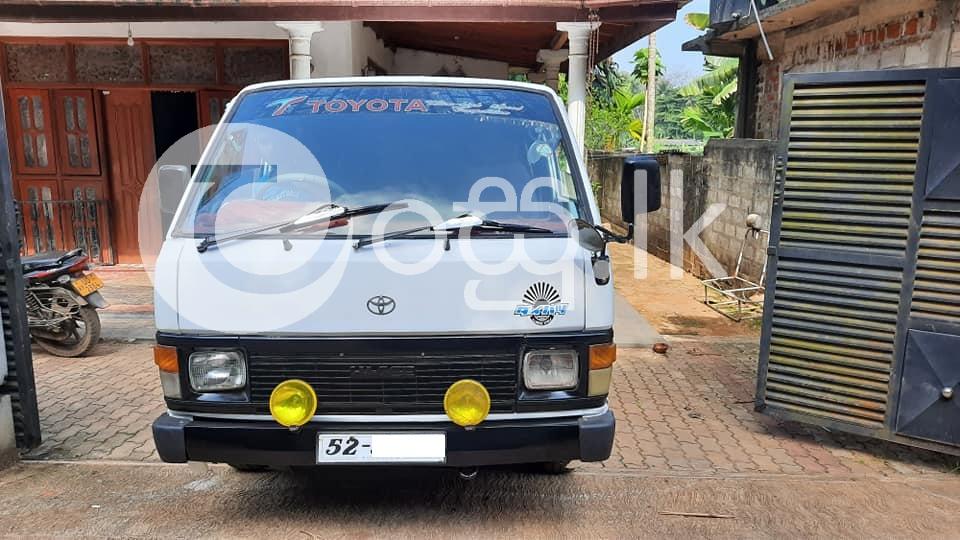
(586, 438)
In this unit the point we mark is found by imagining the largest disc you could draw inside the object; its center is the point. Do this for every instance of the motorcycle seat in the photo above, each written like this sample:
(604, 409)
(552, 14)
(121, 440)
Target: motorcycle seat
(50, 259)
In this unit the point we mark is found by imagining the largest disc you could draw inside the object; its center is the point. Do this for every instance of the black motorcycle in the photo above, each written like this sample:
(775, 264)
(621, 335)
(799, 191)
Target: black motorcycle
(62, 299)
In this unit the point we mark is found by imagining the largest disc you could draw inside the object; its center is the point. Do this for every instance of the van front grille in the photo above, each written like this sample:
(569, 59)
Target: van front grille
(351, 383)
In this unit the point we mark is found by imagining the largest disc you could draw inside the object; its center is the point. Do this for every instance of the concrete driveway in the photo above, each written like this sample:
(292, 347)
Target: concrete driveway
(100, 500)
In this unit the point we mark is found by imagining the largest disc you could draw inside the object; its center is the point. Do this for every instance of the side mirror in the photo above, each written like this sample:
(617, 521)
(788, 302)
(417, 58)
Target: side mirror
(639, 185)
(589, 237)
(171, 182)
(594, 239)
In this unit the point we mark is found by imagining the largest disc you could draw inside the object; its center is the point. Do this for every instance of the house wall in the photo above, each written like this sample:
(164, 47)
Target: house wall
(400, 61)
(331, 51)
(412, 62)
(330, 48)
(341, 49)
(367, 46)
(872, 35)
(735, 173)
(198, 30)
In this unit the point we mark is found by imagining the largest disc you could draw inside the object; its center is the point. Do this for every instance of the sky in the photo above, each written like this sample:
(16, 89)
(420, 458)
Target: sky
(680, 66)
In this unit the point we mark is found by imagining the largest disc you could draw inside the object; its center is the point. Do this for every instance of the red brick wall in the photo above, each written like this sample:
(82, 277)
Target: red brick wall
(903, 38)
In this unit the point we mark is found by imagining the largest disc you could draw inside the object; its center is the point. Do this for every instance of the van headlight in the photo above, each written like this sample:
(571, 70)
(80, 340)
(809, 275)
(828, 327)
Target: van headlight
(216, 371)
(551, 370)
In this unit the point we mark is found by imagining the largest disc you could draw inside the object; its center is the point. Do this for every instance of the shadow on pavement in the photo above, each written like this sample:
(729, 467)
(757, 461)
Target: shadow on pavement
(398, 496)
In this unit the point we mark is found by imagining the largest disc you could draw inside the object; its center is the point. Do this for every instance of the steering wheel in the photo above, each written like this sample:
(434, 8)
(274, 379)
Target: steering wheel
(300, 187)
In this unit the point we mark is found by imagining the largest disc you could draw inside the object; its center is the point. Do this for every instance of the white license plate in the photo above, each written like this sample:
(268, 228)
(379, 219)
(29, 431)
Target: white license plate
(382, 448)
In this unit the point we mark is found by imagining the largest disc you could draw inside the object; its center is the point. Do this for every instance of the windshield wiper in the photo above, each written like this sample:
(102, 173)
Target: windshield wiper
(512, 227)
(323, 213)
(451, 225)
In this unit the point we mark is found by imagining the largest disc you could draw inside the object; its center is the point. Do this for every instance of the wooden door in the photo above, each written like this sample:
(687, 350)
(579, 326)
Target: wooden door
(32, 126)
(40, 215)
(129, 129)
(213, 105)
(84, 217)
(79, 154)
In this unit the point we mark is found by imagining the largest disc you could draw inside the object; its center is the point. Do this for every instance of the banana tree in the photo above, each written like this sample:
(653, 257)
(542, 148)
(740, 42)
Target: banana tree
(700, 21)
(713, 113)
(615, 125)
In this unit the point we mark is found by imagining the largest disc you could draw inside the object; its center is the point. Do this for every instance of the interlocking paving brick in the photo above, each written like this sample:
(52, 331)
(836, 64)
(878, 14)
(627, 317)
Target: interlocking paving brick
(697, 402)
(98, 407)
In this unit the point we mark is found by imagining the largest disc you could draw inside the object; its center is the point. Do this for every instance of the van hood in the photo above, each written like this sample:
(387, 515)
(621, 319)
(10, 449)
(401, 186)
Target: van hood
(398, 287)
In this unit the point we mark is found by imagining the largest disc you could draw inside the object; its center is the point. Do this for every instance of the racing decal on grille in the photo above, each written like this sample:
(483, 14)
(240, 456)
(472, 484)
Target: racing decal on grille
(541, 303)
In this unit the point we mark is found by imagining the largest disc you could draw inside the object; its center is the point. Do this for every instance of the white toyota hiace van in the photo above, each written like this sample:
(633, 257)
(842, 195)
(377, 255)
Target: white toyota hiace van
(392, 270)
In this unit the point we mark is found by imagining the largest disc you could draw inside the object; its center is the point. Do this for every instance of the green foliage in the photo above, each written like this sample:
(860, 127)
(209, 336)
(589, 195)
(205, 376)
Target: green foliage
(700, 110)
(713, 111)
(670, 105)
(615, 125)
(613, 115)
(700, 21)
(641, 64)
(607, 80)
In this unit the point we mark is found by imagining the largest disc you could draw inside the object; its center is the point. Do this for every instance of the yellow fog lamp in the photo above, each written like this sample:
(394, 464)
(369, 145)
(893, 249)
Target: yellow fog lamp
(466, 402)
(293, 403)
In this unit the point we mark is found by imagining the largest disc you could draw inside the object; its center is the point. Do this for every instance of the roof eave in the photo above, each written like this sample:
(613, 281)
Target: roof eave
(708, 44)
(339, 10)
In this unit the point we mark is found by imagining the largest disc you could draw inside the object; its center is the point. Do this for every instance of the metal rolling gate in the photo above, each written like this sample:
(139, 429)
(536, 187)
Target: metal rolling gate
(861, 328)
(18, 381)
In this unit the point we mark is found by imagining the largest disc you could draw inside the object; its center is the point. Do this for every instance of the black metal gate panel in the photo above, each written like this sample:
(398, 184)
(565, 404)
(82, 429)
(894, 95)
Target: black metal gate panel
(930, 375)
(928, 408)
(19, 382)
(864, 247)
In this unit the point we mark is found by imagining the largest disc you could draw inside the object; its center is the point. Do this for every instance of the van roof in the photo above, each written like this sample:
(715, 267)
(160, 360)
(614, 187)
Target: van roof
(401, 80)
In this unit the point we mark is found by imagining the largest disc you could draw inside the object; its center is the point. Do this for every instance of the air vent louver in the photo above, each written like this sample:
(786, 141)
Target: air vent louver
(936, 288)
(852, 159)
(831, 344)
(848, 189)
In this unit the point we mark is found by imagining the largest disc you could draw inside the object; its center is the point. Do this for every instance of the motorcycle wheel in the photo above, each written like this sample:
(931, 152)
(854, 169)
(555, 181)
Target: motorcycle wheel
(78, 343)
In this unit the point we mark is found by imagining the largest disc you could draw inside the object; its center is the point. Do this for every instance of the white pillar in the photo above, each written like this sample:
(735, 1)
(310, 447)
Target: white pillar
(300, 35)
(551, 61)
(578, 35)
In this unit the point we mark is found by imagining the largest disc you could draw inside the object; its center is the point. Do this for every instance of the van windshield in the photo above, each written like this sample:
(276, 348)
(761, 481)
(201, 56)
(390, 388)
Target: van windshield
(491, 151)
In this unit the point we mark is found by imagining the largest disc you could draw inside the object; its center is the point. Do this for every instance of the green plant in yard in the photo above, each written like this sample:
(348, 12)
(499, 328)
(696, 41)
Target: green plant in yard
(611, 122)
(597, 187)
(641, 62)
(615, 125)
(670, 105)
(713, 112)
(562, 86)
(606, 80)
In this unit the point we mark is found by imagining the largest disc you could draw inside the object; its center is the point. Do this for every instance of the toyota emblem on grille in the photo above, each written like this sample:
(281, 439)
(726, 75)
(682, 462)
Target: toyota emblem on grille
(381, 305)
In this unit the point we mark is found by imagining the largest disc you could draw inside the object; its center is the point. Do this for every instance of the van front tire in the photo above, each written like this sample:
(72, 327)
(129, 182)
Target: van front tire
(240, 467)
(554, 467)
